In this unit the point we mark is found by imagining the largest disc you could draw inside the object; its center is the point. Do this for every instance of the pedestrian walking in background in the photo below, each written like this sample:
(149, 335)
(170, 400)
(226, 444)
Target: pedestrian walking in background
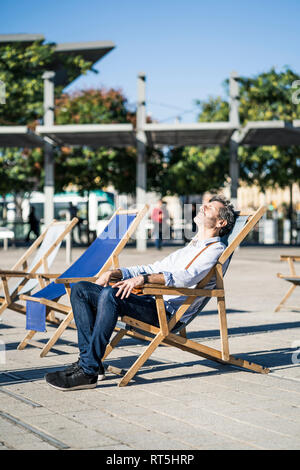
(34, 224)
(159, 217)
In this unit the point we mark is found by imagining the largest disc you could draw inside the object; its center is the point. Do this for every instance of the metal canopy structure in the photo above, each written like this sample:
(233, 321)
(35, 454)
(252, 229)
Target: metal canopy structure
(22, 38)
(90, 51)
(55, 74)
(283, 133)
(206, 134)
(92, 135)
(19, 136)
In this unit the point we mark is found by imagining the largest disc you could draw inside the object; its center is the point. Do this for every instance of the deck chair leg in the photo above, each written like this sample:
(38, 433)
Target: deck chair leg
(25, 341)
(64, 324)
(222, 314)
(3, 307)
(287, 295)
(212, 354)
(141, 360)
(223, 328)
(182, 332)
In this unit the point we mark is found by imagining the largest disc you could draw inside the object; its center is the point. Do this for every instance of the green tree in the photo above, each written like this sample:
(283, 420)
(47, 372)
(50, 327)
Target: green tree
(21, 69)
(268, 96)
(195, 170)
(94, 168)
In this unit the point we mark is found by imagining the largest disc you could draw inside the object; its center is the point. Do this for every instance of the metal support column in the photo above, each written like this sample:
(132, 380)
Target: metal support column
(141, 170)
(48, 148)
(234, 119)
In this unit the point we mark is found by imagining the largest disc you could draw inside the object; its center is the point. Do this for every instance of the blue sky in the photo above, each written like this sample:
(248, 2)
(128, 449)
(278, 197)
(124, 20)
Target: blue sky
(187, 48)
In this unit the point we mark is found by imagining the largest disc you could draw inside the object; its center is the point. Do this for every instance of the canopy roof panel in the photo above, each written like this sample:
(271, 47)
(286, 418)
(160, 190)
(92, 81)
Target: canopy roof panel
(91, 51)
(204, 134)
(19, 136)
(92, 135)
(257, 133)
(24, 38)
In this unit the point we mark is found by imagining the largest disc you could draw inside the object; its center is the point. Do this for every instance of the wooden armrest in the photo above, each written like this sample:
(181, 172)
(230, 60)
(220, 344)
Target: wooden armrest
(69, 280)
(10, 273)
(47, 275)
(155, 289)
(286, 257)
(287, 276)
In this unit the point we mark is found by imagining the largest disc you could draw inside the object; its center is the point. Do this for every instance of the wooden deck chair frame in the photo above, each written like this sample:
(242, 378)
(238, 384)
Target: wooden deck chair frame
(164, 336)
(20, 269)
(292, 278)
(112, 261)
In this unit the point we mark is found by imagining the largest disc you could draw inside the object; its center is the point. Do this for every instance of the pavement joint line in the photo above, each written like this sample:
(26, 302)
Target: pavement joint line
(23, 399)
(230, 418)
(126, 420)
(43, 436)
(255, 446)
(292, 379)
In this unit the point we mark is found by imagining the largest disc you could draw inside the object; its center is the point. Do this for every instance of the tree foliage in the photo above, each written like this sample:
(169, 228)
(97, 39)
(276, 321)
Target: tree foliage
(195, 170)
(266, 96)
(21, 69)
(93, 168)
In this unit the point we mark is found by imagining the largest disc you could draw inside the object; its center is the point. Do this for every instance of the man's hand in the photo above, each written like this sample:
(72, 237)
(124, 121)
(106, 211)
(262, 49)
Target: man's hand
(104, 279)
(113, 274)
(125, 287)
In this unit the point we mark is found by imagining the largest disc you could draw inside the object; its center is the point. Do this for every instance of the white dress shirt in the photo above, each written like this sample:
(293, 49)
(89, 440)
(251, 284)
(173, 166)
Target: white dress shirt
(173, 267)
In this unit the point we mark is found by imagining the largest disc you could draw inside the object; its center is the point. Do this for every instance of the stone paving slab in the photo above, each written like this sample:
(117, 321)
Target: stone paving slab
(177, 401)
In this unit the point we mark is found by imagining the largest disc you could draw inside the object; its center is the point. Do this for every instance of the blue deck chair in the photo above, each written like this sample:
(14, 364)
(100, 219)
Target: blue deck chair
(173, 332)
(25, 276)
(99, 256)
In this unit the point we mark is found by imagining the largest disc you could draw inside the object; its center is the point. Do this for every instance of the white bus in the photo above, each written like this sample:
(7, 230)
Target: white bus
(91, 210)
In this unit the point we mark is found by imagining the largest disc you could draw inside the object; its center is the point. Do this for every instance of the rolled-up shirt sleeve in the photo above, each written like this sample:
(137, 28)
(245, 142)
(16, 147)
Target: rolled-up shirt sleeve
(133, 271)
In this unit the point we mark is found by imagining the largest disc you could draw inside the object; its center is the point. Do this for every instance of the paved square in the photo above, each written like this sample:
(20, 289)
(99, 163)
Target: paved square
(177, 400)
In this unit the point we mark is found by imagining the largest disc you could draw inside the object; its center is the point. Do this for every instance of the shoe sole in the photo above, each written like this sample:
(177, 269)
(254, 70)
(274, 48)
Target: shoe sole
(70, 389)
(78, 387)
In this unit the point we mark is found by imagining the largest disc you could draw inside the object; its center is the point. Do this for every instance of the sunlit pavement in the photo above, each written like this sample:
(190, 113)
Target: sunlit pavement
(177, 400)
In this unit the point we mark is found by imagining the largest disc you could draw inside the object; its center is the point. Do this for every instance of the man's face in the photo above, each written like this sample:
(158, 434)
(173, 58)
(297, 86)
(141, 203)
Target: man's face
(208, 215)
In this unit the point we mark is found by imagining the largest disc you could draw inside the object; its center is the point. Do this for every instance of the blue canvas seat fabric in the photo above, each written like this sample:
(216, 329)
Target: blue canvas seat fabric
(87, 265)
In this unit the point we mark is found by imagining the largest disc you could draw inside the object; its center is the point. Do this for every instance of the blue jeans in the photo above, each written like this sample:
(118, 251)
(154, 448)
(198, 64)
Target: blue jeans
(96, 310)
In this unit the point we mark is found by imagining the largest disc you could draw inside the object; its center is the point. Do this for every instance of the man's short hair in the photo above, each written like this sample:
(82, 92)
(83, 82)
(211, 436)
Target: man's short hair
(226, 213)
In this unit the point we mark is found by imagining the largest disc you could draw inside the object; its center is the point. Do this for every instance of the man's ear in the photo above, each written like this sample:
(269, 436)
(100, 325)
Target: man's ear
(221, 223)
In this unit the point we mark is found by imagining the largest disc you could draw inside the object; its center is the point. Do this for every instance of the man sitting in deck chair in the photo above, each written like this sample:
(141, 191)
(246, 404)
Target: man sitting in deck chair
(97, 306)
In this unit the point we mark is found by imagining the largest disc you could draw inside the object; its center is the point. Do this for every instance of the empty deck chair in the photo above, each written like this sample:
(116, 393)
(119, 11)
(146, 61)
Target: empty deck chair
(173, 333)
(27, 273)
(292, 278)
(99, 256)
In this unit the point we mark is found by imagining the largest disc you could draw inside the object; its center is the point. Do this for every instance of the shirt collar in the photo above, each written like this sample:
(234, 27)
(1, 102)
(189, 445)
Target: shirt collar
(206, 242)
